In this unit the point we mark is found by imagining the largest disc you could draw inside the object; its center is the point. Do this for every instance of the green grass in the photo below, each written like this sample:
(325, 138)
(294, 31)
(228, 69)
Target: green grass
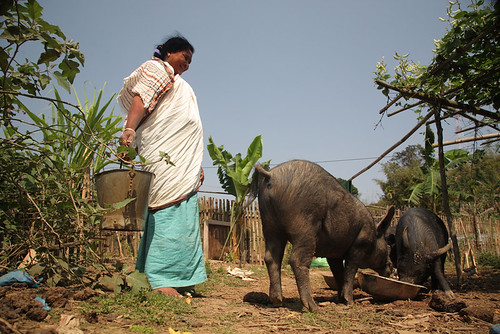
(142, 329)
(147, 307)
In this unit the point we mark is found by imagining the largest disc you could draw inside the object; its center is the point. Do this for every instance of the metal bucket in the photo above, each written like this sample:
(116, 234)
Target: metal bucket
(115, 186)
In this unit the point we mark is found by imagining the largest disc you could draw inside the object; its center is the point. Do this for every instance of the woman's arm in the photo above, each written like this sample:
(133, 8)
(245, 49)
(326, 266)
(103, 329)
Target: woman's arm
(135, 114)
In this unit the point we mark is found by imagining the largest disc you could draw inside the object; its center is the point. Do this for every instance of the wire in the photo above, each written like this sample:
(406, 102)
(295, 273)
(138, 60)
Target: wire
(322, 161)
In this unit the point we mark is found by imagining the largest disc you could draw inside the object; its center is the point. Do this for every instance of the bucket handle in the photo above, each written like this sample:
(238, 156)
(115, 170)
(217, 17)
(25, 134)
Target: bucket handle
(131, 175)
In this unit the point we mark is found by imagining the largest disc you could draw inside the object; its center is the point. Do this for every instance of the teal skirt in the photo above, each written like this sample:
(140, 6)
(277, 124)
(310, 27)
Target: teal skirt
(170, 253)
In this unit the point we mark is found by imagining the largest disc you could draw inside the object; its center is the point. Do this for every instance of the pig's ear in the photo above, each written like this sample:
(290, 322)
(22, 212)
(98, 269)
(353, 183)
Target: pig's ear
(391, 239)
(262, 171)
(385, 222)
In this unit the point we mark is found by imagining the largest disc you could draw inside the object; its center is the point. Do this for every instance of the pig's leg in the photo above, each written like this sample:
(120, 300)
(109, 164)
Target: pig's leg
(337, 268)
(351, 267)
(438, 280)
(275, 247)
(300, 261)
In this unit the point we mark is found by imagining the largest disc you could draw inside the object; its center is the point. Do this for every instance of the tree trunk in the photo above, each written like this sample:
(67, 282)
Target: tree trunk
(477, 232)
(445, 198)
(237, 230)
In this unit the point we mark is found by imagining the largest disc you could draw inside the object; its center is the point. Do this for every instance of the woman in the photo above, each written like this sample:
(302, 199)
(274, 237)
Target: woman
(162, 116)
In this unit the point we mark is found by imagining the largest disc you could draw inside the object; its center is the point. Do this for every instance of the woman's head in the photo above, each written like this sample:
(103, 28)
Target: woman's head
(177, 51)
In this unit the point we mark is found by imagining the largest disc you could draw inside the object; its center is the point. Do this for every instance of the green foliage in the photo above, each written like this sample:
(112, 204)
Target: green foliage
(124, 280)
(431, 185)
(48, 170)
(481, 61)
(137, 281)
(46, 196)
(80, 139)
(463, 79)
(476, 185)
(473, 180)
(401, 172)
(465, 65)
(488, 259)
(22, 23)
(135, 160)
(56, 272)
(349, 187)
(113, 283)
(234, 171)
(234, 175)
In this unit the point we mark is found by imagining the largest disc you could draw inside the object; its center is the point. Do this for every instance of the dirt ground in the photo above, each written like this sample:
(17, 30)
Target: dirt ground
(242, 307)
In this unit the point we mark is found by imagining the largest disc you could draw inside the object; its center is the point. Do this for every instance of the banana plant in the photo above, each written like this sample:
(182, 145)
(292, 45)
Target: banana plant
(431, 185)
(234, 176)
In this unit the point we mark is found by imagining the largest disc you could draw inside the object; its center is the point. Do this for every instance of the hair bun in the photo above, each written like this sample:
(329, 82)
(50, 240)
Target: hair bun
(157, 52)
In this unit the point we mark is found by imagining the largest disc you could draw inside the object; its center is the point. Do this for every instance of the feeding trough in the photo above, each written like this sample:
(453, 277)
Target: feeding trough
(116, 186)
(330, 281)
(387, 288)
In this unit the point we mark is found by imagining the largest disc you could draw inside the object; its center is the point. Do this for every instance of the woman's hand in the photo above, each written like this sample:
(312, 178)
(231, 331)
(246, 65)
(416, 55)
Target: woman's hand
(134, 117)
(127, 137)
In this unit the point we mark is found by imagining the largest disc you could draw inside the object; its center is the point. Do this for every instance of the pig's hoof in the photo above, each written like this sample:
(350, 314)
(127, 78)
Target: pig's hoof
(312, 308)
(256, 298)
(348, 301)
(275, 301)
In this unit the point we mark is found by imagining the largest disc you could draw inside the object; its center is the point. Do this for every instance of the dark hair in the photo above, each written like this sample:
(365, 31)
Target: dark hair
(172, 45)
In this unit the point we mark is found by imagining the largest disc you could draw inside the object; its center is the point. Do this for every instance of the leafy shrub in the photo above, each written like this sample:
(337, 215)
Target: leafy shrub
(489, 259)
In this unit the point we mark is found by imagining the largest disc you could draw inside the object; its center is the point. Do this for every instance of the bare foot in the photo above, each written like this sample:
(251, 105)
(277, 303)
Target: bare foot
(168, 291)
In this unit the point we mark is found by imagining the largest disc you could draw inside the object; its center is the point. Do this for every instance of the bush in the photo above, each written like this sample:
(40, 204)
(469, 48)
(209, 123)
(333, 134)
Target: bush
(488, 259)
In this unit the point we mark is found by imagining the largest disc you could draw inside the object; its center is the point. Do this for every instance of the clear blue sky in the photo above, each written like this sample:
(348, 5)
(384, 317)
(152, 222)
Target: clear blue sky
(300, 73)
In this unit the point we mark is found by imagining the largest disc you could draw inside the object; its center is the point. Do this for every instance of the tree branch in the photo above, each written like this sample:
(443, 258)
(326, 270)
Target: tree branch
(390, 103)
(404, 108)
(434, 100)
(412, 131)
(39, 98)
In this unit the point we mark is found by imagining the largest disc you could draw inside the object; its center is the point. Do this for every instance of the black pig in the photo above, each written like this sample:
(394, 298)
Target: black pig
(421, 246)
(302, 203)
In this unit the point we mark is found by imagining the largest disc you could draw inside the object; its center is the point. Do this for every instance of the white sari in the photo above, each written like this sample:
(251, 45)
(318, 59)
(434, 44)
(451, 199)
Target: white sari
(173, 127)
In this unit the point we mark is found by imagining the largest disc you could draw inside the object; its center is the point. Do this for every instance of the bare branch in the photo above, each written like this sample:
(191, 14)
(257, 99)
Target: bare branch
(437, 101)
(405, 108)
(412, 131)
(390, 103)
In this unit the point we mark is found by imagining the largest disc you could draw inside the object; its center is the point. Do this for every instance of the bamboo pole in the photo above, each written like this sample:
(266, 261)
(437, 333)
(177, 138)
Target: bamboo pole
(469, 139)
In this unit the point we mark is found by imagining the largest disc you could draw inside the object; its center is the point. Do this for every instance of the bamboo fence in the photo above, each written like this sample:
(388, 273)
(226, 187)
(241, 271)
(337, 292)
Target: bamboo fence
(213, 210)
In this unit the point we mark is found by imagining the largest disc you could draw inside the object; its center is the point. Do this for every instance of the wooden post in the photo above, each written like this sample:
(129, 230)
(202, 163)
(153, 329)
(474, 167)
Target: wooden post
(445, 198)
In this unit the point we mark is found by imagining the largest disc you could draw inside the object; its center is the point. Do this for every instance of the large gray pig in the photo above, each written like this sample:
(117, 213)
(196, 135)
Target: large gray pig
(421, 246)
(302, 203)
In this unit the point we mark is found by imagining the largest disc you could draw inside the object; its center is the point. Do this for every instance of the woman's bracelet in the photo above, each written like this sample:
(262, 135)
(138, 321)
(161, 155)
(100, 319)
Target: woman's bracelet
(129, 129)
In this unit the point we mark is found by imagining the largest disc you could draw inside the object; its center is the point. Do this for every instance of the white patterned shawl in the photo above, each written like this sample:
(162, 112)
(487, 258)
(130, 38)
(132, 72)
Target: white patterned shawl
(173, 126)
